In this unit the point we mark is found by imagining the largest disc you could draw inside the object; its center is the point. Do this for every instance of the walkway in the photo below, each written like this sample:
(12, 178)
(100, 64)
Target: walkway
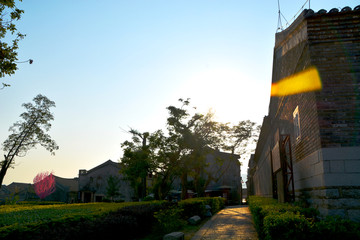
(234, 222)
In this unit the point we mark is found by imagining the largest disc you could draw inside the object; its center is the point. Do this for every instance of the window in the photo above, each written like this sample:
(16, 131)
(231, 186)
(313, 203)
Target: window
(296, 120)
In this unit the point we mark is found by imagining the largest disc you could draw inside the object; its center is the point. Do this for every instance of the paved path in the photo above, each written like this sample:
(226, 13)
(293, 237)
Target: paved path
(234, 222)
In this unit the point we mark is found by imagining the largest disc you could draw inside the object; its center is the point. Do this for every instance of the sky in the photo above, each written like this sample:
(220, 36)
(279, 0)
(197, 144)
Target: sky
(114, 64)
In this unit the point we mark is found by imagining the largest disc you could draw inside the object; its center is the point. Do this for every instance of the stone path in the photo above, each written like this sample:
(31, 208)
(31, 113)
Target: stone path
(234, 222)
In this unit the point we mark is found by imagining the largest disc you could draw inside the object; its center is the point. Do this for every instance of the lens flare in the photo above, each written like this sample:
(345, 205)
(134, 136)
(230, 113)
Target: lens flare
(44, 184)
(305, 81)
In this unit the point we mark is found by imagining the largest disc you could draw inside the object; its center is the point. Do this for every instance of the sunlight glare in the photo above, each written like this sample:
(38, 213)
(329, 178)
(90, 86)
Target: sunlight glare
(305, 81)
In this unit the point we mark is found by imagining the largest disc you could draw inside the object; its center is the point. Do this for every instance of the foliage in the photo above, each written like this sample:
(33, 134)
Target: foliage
(12, 199)
(136, 162)
(9, 13)
(216, 203)
(169, 220)
(39, 203)
(112, 188)
(77, 221)
(334, 227)
(29, 132)
(89, 220)
(148, 198)
(275, 220)
(287, 225)
(44, 184)
(181, 151)
(192, 206)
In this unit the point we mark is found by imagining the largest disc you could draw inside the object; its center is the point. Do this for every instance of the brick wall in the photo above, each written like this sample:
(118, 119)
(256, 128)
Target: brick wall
(326, 158)
(334, 40)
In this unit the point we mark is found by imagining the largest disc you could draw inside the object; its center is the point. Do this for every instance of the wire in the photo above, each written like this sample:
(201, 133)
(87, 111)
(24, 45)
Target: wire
(287, 22)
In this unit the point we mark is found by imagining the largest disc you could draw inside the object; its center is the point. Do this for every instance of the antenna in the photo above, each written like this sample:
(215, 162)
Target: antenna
(280, 26)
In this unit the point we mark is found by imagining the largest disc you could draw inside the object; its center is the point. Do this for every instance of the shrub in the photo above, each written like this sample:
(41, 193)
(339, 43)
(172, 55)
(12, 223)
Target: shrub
(334, 227)
(287, 225)
(216, 203)
(169, 220)
(39, 203)
(191, 207)
(78, 221)
(285, 221)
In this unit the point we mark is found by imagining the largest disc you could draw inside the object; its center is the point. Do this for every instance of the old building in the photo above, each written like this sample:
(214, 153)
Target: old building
(65, 190)
(94, 182)
(309, 145)
(225, 169)
(223, 172)
(17, 192)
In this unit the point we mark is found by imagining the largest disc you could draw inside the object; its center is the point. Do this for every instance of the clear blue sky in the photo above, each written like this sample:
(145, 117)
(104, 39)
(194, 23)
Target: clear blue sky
(111, 65)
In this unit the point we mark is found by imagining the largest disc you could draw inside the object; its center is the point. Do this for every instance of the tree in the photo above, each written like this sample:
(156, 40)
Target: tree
(112, 189)
(9, 13)
(165, 157)
(181, 152)
(29, 132)
(136, 162)
(239, 136)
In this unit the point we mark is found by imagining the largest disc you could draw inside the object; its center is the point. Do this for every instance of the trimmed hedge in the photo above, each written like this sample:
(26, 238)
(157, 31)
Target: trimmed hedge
(275, 220)
(99, 220)
(120, 219)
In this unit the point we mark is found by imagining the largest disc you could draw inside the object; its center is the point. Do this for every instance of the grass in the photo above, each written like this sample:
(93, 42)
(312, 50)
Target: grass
(26, 214)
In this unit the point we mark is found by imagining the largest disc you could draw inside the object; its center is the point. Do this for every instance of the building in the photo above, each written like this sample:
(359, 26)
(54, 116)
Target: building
(93, 183)
(225, 170)
(66, 190)
(17, 192)
(221, 178)
(309, 145)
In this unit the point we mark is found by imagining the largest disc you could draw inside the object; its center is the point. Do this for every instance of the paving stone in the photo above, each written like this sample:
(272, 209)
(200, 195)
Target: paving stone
(233, 222)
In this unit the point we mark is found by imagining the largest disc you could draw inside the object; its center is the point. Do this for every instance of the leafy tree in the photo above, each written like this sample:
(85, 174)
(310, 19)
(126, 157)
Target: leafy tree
(239, 136)
(112, 189)
(165, 157)
(9, 13)
(182, 151)
(136, 162)
(29, 132)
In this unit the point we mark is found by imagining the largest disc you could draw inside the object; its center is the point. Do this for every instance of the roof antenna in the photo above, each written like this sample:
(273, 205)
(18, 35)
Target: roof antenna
(279, 20)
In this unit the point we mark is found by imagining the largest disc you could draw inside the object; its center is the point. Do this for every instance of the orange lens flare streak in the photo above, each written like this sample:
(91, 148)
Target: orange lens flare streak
(305, 81)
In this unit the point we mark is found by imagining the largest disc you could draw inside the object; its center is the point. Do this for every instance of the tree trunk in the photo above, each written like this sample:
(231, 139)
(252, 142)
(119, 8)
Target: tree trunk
(183, 185)
(2, 173)
(143, 182)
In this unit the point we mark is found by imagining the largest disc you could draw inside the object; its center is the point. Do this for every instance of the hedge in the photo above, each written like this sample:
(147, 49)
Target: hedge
(99, 220)
(275, 220)
(80, 221)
